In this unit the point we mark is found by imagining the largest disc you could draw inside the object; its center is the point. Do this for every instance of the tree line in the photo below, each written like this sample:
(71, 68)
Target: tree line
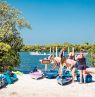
(46, 48)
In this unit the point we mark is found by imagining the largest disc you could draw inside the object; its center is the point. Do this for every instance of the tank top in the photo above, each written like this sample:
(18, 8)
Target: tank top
(82, 61)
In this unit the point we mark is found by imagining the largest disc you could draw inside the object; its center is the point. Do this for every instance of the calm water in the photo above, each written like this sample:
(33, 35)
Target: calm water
(28, 62)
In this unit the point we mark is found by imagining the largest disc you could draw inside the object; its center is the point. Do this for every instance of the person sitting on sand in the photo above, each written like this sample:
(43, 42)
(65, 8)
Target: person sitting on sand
(81, 65)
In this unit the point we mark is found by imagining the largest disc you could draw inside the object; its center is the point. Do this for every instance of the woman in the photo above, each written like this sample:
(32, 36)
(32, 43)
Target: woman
(55, 61)
(71, 55)
(81, 65)
(70, 64)
(62, 52)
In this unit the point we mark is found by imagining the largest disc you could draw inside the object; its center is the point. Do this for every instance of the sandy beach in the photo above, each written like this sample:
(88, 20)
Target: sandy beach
(27, 87)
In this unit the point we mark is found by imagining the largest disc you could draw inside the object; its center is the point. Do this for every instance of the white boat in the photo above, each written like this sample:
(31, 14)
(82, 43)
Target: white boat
(34, 53)
(85, 53)
(38, 53)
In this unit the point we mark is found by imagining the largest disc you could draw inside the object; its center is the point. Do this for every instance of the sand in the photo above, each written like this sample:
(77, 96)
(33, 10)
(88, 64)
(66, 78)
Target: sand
(27, 87)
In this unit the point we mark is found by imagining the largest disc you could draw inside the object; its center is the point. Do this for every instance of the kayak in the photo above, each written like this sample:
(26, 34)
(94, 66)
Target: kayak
(50, 74)
(88, 78)
(10, 77)
(66, 77)
(18, 72)
(64, 80)
(36, 74)
(2, 82)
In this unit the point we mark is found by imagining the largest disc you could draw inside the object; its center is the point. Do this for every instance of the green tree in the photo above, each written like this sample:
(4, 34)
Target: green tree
(91, 51)
(11, 23)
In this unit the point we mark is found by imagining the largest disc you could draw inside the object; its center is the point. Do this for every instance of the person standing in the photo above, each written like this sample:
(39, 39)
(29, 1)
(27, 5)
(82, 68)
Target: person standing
(62, 53)
(71, 55)
(81, 65)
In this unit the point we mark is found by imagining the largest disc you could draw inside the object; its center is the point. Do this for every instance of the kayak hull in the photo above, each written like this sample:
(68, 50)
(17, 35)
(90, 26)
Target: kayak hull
(64, 81)
(36, 75)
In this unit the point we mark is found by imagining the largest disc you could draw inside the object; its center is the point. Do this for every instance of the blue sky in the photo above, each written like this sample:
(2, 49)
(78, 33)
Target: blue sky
(57, 21)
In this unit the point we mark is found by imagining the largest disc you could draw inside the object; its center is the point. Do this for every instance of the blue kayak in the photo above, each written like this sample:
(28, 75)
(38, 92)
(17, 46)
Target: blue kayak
(88, 78)
(9, 77)
(64, 80)
(2, 82)
(50, 74)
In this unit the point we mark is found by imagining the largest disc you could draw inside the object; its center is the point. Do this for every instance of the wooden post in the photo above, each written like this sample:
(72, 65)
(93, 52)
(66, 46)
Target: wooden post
(68, 50)
(56, 51)
(53, 51)
(50, 50)
(45, 67)
(73, 52)
(73, 49)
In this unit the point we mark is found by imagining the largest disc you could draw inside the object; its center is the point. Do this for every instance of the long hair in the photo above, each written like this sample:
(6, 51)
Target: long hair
(63, 59)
